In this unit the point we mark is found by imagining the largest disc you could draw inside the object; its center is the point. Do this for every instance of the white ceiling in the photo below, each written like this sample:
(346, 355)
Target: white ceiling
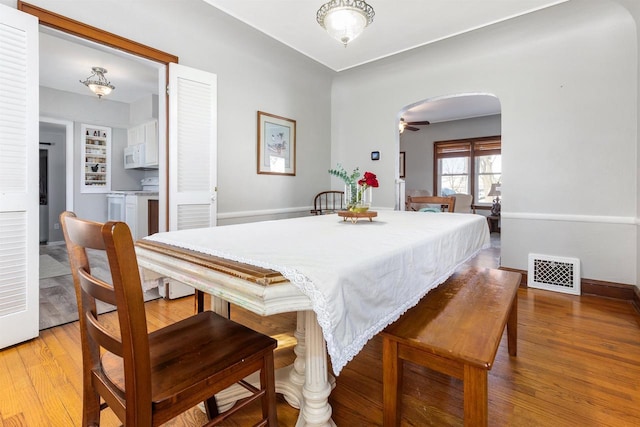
(65, 60)
(399, 25)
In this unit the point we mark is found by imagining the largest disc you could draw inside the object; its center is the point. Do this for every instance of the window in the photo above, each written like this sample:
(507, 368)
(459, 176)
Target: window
(468, 166)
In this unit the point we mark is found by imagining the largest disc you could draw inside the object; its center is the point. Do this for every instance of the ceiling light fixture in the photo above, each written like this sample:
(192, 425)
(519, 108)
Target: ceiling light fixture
(345, 20)
(98, 83)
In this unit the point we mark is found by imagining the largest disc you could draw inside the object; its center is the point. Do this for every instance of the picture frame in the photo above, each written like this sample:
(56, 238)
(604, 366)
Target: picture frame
(402, 164)
(276, 145)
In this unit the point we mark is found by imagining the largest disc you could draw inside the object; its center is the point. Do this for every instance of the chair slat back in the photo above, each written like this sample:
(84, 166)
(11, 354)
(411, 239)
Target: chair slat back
(102, 336)
(328, 202)
(449, 202)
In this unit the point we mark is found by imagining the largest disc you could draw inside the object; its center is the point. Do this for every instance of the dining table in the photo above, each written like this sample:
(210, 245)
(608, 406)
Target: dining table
(346, 280)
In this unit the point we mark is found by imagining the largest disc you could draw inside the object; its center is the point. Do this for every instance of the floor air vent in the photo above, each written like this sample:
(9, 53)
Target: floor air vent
(554, 273)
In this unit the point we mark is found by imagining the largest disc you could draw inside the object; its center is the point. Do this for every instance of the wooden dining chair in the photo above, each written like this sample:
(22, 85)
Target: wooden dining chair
(441, 202)
(149, 378)
(327, 202)
(464, 203)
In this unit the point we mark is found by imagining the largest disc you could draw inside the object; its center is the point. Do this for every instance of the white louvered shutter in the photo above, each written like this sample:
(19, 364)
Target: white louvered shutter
(192, 160)
(19, 290)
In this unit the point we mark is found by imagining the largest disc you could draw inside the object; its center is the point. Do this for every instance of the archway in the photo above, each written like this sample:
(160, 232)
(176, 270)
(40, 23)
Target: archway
(469, 119)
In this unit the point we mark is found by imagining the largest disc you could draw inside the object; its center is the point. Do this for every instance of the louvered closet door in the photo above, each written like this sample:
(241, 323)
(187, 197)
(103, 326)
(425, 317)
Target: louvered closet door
(192, 148)
(18, 176)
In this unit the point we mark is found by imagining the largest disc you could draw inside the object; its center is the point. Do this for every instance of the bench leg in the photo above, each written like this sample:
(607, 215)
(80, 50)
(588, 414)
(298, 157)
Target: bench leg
(391, 383)
(476, 406)
(512, 328)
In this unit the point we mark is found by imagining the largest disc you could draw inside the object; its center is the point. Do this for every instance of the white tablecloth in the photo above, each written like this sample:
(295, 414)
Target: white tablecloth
(360, 277)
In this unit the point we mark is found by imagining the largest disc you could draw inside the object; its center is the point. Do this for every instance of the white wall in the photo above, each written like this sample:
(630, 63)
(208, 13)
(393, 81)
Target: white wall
(418, 145)
(143, 110)
(567, 81)
(633, 6)
(86, 109)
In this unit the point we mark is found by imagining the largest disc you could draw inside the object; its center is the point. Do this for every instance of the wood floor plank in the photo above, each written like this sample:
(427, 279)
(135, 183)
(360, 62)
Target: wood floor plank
(19, 402)
(15, 421)
(68, 374)
(54, 394)
(9, 362)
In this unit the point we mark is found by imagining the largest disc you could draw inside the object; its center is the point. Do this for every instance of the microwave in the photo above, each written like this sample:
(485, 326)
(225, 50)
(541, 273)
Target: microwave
(134, 156)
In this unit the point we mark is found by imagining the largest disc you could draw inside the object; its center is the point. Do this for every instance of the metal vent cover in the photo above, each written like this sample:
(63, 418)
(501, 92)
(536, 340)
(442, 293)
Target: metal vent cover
(560, 274)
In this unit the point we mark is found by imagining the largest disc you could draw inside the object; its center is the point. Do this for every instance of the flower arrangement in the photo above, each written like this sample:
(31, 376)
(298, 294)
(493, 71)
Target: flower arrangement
(369, 180)
(357, 191)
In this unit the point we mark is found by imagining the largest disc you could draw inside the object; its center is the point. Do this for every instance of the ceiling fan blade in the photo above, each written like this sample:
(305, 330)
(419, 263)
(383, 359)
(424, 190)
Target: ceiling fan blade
(422, 123)
(411, 128)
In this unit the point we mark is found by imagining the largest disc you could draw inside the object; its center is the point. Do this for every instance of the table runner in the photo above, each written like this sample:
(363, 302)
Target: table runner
(359, 277)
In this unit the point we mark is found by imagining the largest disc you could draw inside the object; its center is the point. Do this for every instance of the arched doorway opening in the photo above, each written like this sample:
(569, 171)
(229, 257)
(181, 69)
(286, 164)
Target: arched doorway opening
(452, 144)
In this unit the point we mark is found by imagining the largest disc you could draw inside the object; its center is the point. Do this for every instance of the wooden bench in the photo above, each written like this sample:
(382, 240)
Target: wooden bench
(456, 330)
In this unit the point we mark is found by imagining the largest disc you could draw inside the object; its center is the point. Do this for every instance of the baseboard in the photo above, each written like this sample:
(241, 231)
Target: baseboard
(608, 289)
(598, 288)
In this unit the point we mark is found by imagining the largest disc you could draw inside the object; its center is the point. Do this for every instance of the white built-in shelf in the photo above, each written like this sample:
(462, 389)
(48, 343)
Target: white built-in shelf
(95, 159)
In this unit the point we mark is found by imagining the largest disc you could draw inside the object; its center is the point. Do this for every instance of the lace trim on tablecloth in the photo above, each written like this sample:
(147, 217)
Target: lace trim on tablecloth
(340, 359)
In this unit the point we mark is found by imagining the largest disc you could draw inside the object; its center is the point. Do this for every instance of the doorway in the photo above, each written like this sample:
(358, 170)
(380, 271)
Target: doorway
(123, 47)
(104, 42)
(447, 118)
(56, 138)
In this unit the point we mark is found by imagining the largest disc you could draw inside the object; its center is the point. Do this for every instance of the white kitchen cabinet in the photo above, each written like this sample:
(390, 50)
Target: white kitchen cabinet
(135, 136)
(95, 159)
(151, 143)
(132, 207)
(146, 134)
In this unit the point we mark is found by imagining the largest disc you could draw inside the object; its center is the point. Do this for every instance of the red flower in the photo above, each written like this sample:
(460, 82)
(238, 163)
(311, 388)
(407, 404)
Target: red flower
(369, 180)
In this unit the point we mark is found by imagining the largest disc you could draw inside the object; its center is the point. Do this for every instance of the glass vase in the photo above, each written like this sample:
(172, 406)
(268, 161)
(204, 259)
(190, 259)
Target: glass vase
(364, 199)
(350, 194)
(357, 198)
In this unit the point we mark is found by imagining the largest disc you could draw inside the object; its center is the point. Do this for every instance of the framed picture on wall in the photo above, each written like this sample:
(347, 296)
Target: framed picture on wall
(402, 164)
(276, 144)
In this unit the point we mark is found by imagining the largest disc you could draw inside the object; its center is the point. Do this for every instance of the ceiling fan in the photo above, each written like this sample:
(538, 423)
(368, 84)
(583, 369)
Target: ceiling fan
(411, 125)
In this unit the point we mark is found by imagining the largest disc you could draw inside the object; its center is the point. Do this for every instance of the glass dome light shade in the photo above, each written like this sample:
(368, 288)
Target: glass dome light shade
(345, 24)
(345, 20)
(99, 89)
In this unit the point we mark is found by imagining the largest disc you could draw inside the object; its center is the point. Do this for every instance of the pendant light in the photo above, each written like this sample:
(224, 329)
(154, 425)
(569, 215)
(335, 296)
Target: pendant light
(98, 83)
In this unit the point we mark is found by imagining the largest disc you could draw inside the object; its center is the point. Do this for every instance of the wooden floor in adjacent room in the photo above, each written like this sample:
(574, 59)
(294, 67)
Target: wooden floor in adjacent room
(578, 364)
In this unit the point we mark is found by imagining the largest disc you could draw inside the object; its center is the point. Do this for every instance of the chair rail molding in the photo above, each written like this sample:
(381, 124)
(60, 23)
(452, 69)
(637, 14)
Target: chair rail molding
(601, 219)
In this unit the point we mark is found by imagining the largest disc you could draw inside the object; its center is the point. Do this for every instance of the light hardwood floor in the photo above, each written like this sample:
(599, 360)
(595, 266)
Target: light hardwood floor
(578, 364)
